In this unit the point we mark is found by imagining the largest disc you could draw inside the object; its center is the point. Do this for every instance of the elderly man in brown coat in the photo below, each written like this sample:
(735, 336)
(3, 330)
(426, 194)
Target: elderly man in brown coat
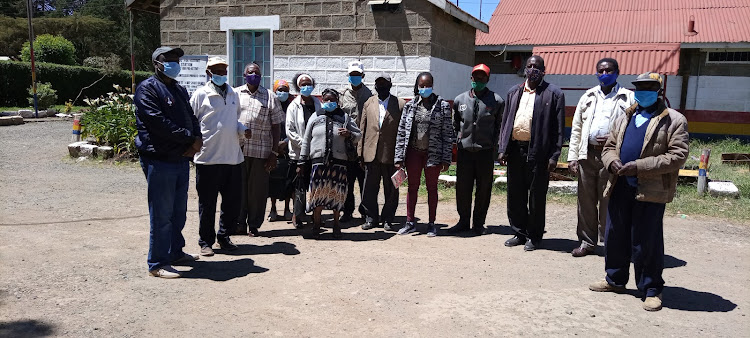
(379, 125)
(645, 150)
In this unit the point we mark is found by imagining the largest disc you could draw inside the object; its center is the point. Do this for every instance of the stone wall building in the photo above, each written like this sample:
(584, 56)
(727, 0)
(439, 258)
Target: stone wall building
(402, 38)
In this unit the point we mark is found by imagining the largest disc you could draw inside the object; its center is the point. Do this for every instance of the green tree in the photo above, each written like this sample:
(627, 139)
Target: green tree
(52, 49)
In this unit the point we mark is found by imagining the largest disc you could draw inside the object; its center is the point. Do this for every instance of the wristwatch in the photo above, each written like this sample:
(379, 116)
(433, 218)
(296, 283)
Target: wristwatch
(275, 153)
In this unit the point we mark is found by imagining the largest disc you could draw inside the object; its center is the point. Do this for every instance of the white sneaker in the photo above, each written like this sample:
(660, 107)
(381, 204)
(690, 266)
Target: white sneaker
(166, 271)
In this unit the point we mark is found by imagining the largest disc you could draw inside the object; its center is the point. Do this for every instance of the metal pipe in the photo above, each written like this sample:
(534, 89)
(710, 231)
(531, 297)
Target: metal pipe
(30, 13)
(132, 55)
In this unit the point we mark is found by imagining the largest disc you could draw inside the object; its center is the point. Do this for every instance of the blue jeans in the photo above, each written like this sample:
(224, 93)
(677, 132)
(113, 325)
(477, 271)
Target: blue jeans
(167, 206)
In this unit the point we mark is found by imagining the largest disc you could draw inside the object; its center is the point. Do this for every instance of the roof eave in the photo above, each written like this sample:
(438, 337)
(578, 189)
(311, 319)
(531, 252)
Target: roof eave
(460, 14)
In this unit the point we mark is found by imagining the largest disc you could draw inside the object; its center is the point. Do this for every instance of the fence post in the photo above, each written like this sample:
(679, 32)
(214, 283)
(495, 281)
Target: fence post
(76, 128)
(702, 171)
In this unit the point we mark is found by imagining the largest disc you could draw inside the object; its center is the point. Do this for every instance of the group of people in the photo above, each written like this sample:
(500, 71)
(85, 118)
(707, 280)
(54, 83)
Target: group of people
(250, 143)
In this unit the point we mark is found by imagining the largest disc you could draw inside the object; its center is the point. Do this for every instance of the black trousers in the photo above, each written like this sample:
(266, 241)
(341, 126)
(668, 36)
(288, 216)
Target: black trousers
(354, 173)
(210, 181)
(527, 192)
(301, 183)
(474, 167)
(635, 233)
(375, 173)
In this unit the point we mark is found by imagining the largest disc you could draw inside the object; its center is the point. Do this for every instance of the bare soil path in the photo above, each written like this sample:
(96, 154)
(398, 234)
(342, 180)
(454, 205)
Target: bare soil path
(73, 244)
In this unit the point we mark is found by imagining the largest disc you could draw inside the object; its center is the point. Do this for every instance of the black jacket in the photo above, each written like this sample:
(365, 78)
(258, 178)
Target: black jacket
(547, 123)
(164, 119)
(476, 120)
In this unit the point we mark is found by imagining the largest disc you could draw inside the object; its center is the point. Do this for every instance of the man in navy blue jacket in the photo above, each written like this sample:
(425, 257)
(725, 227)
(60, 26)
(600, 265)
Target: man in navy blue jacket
(530, 142)
(168, 137)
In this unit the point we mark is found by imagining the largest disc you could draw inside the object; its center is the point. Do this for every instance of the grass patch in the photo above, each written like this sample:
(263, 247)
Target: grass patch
(686, 202)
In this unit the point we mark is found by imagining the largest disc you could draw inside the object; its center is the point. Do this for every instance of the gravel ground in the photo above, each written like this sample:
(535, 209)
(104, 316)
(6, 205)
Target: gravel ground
(74, 243)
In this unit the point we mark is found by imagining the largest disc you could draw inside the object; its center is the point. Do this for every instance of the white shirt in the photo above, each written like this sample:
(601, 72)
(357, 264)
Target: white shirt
(522, 121)
(605, 105)
(218, 118)
(383, 110)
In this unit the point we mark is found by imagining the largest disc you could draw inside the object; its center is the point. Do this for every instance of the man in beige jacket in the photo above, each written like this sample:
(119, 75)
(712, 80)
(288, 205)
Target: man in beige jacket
(595, 112)
(652, 142)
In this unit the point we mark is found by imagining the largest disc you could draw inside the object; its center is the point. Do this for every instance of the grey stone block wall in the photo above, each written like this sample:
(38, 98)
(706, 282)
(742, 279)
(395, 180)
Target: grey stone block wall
(324, 28)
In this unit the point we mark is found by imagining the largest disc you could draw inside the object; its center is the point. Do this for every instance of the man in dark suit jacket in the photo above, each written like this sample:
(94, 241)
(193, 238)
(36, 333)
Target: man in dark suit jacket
(530, 142)
(379, 125)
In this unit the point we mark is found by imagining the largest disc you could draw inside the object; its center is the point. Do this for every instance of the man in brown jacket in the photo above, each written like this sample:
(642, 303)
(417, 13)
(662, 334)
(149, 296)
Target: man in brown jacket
(379, 125)
(652, 142)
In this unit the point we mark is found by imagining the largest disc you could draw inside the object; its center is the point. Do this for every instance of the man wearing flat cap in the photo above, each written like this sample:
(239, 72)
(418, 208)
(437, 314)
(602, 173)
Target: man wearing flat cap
(218, 164)
(378, 122)
(168, 137)
(644, 152)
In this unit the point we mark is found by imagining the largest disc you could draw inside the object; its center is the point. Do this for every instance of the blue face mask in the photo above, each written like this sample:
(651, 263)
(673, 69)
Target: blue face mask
(306, 90)
(329, 106)
(283, 96)
(607, 79)
(218, 80)
(646, 98)
(171, 69)
(355, 80)
(425, 92)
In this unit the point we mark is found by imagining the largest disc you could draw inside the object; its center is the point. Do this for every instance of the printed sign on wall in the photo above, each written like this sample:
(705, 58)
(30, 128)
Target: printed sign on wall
(192, 72)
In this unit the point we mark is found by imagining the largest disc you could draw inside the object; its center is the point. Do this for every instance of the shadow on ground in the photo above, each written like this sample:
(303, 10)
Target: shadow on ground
(269, 249)
(222, 271)
(26, 328)
(679, 298)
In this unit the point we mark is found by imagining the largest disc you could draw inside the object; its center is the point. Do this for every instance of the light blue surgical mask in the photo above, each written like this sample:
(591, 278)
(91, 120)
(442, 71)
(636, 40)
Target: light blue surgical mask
(646, 98)
(171, 69)
(218, 80)
(425, 92)
(306, 90)
(329, 106)
(355, 80)
(283, 96)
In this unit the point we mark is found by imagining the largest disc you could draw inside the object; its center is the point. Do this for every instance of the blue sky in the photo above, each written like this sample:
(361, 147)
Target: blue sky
(472, 7)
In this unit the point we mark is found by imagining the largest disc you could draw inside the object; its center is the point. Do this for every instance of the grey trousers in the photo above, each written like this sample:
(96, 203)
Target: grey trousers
(592, 205)
(374, 174)
(256, 190)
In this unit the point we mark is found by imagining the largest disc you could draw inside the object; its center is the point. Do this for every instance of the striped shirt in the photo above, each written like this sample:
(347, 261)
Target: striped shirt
(258, 112)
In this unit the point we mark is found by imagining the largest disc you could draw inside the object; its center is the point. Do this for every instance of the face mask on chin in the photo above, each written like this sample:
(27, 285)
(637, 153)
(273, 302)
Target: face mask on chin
(383, 92)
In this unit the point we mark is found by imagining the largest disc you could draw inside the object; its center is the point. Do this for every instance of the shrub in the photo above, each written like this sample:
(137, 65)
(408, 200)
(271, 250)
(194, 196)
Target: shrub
(52, 49)
(109, 63)
(15, 77)
(46, 96)
(110, 120)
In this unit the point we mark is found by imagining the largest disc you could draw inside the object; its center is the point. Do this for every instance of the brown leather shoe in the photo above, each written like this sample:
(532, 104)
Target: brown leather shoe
(580, 252)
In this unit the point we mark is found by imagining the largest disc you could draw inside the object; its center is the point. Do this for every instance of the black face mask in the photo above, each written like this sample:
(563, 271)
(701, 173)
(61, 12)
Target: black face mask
(383, 92)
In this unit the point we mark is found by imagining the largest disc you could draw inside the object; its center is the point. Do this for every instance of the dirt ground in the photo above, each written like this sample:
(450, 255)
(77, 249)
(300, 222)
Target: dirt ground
(73, 263)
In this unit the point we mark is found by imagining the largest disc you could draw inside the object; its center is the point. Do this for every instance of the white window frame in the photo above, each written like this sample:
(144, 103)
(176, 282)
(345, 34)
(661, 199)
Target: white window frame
(230, 24)
(741, 50)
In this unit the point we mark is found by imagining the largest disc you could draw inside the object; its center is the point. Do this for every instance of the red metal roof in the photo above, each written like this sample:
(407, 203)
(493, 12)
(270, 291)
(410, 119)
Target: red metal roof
(569, 22)
(633, 59)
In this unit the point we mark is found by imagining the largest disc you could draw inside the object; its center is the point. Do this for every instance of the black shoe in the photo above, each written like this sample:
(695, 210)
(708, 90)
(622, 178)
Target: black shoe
(458, 228)
(516, 240)
(479, 230)
(346, 218)
(299, 225)
(226, 244)
(367, 226)
(532, 245)
(388, 226)
(254, 232)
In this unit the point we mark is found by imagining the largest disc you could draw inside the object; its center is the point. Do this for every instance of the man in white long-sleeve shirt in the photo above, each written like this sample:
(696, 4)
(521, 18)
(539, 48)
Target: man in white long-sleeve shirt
(596, 110)
(217, 165)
